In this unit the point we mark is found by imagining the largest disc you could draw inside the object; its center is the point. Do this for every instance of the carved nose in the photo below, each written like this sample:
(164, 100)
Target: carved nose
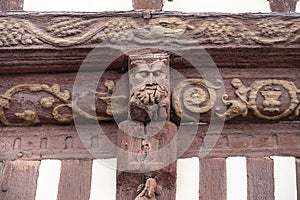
(151, 79)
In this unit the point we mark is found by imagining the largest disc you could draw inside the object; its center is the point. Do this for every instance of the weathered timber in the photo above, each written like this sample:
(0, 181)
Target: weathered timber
(17, 175)
(75, 180)
(247, 40)
(260, 173)
(36, 92)
(298, 175)
(283, 6)
(63, 142)
(165, 180)
(11, 5)
(212, 179)
(27, 60)
(147, 4)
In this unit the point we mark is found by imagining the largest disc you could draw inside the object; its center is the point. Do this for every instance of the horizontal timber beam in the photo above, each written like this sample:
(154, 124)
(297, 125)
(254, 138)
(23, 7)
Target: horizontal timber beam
(56, 142)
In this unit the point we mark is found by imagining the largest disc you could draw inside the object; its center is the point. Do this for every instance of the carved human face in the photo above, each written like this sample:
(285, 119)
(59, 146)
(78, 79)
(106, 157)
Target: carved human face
(236, 83)
(150, 186)
(145, 74)
(149, 90)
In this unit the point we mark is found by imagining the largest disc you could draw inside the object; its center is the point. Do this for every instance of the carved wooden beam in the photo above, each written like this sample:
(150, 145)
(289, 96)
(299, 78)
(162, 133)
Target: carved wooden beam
(254, 97)
(63, 142)
(60, 41)
(87, 30)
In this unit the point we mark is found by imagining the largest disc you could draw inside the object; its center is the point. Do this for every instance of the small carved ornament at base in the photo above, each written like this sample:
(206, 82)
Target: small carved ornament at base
(149, 190)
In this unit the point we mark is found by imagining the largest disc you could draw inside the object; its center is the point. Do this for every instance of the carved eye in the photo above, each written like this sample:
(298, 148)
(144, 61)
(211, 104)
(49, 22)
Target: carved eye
(163, 24)
(144, 74)
(157, 73)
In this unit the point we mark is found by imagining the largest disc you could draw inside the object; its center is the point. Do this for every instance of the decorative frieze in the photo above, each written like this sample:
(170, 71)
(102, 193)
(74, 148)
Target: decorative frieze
(265, 98)
(269, 99)
(68, 31)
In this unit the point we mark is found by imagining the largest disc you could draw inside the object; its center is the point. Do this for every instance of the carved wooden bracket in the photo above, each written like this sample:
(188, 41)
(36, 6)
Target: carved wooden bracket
(145, 138)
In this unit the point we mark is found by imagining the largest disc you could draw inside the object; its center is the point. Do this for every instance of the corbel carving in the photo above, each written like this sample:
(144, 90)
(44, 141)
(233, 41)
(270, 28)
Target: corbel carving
(145, 137)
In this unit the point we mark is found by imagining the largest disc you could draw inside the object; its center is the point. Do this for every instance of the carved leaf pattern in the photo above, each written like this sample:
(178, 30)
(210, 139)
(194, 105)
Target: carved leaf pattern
(70, 31)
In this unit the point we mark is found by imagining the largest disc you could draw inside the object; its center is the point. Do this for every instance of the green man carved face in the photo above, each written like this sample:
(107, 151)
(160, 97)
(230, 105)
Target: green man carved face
(145, 74)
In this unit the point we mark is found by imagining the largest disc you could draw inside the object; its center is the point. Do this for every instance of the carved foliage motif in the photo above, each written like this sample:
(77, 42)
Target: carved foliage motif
(30, 117)
(64, 31)
(264, 97)
(269, 99)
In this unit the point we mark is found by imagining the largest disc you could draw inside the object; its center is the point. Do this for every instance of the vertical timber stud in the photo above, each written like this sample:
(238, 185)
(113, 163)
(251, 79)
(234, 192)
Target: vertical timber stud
(260, 173)
(11, 5)
(298, 177)
(155, 5)
(283, 6)
(146, 156)
(212, 178)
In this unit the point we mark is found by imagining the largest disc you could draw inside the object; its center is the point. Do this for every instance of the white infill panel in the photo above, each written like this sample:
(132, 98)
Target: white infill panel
(187, 179)
(48, 180)
(104, 179)
(236, 169)
(285, 178)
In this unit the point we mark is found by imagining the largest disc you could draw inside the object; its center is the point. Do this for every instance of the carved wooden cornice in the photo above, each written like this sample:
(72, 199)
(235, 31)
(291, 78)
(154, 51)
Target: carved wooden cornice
(37, 30)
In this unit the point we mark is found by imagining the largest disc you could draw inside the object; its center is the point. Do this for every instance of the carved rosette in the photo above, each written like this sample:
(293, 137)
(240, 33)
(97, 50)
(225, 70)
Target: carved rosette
(192, 97)
(266, 97)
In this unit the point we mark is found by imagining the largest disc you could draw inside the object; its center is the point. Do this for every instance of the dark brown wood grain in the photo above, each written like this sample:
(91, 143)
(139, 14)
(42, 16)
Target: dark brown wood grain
(212, 179)
(128, 183)
(75, 180)
(19, 180)
(250, 47)
(147, 4)
(260, 173)
(49, 142)
(298, 176)
(11, 5)
(66, 80)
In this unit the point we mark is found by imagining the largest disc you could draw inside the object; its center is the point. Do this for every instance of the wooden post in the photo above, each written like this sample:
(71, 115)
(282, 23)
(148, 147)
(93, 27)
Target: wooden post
(156, 5)
(283, 6)
(11, 5)
(146, 156)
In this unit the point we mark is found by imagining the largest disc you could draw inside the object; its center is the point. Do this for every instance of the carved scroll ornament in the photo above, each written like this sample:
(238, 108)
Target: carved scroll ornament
(269, 99)
(194, 96)
(30, 117)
